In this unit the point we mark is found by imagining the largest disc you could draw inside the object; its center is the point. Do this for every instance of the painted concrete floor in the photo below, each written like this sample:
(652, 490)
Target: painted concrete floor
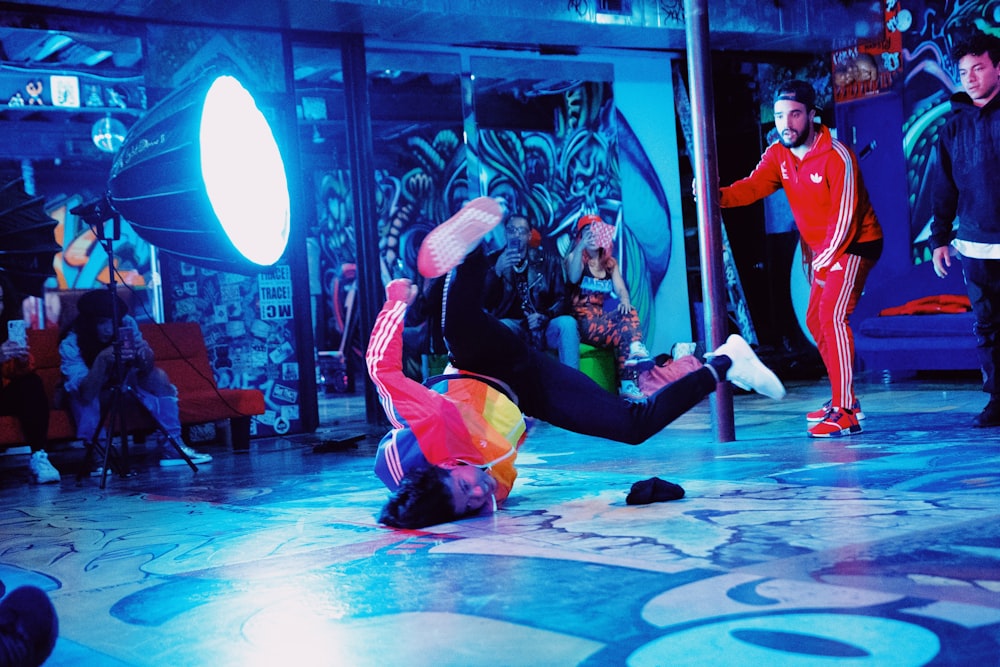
(881, 549)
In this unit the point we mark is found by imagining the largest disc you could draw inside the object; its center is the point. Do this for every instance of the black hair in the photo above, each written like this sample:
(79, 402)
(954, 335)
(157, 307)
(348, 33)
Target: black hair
(976, 44)
(422, 499)
(92, 307)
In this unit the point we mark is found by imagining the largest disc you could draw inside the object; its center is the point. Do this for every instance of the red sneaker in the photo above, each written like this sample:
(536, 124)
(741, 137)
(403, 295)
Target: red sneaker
(838, 423)
(820, 415)
(448, 243)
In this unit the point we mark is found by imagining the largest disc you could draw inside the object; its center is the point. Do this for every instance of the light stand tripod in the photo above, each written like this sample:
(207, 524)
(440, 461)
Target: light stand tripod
(123, 374)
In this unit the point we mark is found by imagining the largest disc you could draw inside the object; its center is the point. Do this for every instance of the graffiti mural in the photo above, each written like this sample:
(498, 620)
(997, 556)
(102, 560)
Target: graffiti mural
(930, 81)
(554, 177)
(84, 262)
(247, 322)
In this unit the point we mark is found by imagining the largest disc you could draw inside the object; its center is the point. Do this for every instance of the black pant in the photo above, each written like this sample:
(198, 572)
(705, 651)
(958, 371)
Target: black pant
(982, 279)
(546, 388)
(24, 397)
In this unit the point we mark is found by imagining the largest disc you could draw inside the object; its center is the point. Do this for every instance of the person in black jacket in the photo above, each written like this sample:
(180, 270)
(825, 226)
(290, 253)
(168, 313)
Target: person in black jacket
(527, 291)
(22, 392)
(965, 188)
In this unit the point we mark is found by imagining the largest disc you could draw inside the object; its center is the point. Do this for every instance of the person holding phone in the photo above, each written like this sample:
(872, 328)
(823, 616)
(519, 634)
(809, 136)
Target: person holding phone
(527, 292)
(22, 393)
(89, 373)
(602, 304)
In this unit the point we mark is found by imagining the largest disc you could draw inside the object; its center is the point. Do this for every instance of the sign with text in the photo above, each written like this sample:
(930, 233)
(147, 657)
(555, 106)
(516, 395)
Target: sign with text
(276, 293)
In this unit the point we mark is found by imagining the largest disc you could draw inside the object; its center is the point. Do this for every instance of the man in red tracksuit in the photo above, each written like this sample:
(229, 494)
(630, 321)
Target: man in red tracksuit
(835, 219)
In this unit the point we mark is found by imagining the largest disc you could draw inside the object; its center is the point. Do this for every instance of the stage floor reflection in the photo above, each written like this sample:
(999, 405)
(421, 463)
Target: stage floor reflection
(879, 549)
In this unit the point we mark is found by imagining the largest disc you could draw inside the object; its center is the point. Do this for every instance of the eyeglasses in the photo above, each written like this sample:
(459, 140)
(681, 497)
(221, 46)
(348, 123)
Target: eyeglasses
(518, 231)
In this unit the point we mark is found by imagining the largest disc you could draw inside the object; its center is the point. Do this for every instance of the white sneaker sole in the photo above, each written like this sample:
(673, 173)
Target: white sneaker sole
(760, 379)
(842, 433)
(448, 243)
(197, 460)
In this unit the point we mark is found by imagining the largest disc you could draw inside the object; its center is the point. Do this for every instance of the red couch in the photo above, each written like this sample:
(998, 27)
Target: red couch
(179, 349)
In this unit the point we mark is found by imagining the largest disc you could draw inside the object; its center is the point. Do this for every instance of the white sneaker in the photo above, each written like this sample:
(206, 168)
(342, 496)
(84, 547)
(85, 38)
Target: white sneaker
(747, 371)
(42, 471)
(638, 357)
(170, 457)
(630, 392)
(683, 350)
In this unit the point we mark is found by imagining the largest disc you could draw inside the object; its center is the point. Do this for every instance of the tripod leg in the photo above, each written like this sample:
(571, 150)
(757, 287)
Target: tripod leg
(161, 427)
(102, 458)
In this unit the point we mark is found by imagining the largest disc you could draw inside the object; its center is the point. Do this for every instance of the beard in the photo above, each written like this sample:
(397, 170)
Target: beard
(800, 139)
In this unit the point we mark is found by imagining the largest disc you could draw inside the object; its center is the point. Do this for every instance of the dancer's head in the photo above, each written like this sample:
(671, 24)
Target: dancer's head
(439, 494)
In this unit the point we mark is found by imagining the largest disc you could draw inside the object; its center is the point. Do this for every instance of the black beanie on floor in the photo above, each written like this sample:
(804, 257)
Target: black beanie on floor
(653, 490)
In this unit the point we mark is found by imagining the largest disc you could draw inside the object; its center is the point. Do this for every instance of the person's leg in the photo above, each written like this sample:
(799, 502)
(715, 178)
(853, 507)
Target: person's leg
(86, 416)
(562, 335)
(982, 279)
(25, 398)
(567, 398)
(159, 396)
(477, 341)
(813, 320)
(839, 297)
(519, 327)
(563, 396)
(546, 388)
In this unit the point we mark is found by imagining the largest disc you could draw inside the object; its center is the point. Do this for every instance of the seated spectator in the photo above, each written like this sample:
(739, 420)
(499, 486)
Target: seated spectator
(88, 367)
(22, 394)
(602, 305)
(527, 292)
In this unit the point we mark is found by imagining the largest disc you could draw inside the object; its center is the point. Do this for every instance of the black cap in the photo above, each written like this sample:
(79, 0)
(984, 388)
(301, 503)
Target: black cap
(796, 90)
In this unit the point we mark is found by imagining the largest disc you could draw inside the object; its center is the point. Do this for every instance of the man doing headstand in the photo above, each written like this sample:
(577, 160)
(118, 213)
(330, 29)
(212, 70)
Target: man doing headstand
(451, 452)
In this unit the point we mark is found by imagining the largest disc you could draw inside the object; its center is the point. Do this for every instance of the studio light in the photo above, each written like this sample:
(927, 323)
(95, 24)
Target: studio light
(200, 176)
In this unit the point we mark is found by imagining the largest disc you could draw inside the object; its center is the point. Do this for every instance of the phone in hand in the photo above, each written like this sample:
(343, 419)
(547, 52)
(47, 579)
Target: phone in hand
(17, 332)
(127, 336)
(516, 245)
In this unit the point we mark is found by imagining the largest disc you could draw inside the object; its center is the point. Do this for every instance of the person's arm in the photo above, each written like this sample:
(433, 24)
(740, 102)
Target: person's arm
(11, 350)
(15, 359)
(573, 263)
(764, 180)
(407, 403)
(142, 357)
(624, 300)
(555, 298)
(494, 284)
(843, 176)
(945, 206)
(78, 378)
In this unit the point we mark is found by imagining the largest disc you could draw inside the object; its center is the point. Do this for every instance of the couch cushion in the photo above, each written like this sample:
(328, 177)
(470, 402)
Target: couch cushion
(918, 326)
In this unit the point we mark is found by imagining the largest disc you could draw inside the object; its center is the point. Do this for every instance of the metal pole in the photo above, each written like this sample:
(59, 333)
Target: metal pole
(705, 163)
(360, 152)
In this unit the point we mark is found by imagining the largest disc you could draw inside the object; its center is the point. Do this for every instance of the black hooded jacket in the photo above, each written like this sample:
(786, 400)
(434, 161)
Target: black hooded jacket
(967, 177)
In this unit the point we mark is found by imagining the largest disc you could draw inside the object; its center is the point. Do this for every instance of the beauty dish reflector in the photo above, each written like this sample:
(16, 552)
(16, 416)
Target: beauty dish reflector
(201, 177)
